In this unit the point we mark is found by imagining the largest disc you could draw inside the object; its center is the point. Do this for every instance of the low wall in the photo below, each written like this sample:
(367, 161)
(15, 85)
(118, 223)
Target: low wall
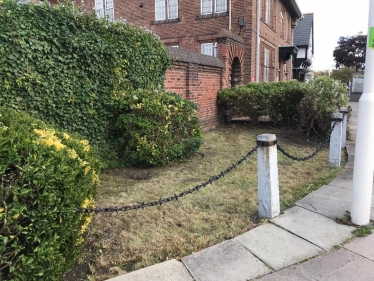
(198, 78)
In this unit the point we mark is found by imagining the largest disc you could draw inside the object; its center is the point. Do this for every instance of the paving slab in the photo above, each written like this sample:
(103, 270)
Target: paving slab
(277, 247)
(315, 228)
(328, 206)
(346, 174)
(362, 246)
(167, 271)
(339, 265)
(288, 274)
(339, 182)
(227, 261)
(349, 165)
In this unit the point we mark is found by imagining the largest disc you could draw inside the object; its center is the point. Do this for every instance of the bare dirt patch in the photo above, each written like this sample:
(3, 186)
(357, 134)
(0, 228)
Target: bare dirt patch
(123, 242)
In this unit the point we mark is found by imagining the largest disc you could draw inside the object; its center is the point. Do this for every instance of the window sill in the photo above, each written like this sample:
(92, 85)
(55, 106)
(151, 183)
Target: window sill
(213, 15)
(271, 27)
(156, 22)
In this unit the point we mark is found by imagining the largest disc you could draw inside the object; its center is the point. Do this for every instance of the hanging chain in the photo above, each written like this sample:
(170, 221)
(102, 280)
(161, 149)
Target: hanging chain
(170, 198)
(314, 153)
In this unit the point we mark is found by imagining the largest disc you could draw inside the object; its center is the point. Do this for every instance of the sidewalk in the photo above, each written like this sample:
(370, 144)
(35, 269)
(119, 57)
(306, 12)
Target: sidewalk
(275, 251)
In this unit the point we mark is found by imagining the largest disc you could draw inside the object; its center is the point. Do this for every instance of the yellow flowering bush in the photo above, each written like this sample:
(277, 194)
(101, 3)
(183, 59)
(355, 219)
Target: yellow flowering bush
(51, 175)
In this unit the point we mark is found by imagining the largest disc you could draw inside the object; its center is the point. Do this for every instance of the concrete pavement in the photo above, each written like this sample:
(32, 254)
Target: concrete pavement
(305, 243)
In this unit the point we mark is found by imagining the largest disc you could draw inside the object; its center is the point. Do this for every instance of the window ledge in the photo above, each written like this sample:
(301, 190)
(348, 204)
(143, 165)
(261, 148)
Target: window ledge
(165, 21)
(213, 15)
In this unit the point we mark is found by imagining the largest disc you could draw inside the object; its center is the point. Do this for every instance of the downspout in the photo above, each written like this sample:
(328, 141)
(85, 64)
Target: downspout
(258, 41)
(230, 15)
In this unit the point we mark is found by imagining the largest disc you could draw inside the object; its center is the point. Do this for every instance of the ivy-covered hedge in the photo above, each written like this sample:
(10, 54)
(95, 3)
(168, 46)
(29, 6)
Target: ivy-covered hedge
(69, 68)
(46, 174)
(306, 105)
(156, 128)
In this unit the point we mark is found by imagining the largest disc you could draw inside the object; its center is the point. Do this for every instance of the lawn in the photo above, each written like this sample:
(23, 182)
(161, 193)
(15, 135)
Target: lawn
(122, 242)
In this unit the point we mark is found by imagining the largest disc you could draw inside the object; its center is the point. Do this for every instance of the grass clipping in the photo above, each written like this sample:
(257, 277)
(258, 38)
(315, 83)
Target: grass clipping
(123, 242)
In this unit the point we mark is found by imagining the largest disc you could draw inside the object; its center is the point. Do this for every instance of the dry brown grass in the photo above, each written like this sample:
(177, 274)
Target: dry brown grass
(123, 242)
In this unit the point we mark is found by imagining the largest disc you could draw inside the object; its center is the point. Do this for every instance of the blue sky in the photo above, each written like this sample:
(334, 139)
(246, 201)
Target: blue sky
(332, 19)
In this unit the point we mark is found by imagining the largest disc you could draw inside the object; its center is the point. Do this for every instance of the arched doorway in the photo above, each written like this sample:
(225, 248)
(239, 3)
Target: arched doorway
(236, 73)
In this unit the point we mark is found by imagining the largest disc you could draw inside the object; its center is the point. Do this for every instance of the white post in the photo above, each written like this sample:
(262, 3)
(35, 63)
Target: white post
(336, 140)
(364, 150)
(268, 186)
(344, 111)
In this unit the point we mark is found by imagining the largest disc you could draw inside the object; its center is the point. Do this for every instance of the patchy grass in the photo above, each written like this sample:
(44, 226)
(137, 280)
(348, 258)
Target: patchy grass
(363, 231)
(123, 242)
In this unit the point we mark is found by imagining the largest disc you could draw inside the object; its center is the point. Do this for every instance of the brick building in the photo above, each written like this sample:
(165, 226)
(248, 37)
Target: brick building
(227, 29)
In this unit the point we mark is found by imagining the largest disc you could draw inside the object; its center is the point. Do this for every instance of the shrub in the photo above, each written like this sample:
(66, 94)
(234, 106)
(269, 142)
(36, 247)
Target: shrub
(322, 97)
(156, 128)
(276, 99)
(46, 176)
(68, 68)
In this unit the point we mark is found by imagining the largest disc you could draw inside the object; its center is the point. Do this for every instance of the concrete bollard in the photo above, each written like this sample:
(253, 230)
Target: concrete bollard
(336, 140)
(344, 111)
(268, 185)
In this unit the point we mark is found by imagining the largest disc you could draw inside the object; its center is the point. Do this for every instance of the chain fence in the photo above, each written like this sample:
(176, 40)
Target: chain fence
(172, 197)
(314, 153)
(14, 172)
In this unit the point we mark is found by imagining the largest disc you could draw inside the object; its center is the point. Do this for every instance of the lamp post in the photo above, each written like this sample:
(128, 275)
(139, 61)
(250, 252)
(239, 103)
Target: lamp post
(364, 151)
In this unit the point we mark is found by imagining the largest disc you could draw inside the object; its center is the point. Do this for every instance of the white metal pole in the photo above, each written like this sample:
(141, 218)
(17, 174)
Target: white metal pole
(258, 22)
(364, 151)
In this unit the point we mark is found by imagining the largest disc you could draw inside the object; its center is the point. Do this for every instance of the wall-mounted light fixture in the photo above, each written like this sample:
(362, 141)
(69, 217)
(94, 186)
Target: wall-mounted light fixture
(141, 5)
(241, 22)
(215, 49)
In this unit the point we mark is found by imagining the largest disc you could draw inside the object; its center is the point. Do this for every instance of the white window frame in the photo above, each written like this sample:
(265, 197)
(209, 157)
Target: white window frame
(266, 64)
(211, 7)
(104, 9)
(160, 10)
(282, 24)
(206, 45)
(225, 6)
(170, 2)
(268, 11)
(164, 10)
(174, 46)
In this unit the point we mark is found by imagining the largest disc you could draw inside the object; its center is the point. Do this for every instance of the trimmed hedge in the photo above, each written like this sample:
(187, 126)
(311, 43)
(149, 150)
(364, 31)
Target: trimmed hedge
(69, 69)
(46, 176)
(276, 99)
(157, 128)
(307, 106)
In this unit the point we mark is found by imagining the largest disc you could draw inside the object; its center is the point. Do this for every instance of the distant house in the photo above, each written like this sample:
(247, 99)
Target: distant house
(304, 40)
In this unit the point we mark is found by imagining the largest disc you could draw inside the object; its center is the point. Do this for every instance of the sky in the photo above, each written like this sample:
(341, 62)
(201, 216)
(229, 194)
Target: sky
(332, 19)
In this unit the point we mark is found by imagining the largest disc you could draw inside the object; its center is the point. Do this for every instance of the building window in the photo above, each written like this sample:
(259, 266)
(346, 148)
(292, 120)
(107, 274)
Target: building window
(207, 49)
(281, 24)
(266, 64)
(220, 6)
(162, 5)
(267, 11)
(104, 8)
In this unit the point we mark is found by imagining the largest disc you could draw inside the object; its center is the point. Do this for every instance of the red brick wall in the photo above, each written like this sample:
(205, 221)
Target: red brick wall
(198, 80)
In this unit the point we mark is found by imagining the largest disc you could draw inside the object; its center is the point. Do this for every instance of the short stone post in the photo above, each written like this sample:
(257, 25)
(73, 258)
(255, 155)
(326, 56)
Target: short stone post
(344, 111)
(268, 185)
(336, 140)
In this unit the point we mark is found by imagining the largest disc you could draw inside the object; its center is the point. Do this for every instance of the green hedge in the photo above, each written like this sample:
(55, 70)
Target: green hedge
(156, 128)
(40, 232)
(277, 99)
(69, 68)
(307, 106)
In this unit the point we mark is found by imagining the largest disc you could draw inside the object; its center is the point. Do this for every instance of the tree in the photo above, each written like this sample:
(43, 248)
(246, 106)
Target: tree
(344, 74)
(350, 52)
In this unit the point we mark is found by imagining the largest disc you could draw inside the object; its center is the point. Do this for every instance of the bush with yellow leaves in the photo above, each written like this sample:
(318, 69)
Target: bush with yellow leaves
(46, 175)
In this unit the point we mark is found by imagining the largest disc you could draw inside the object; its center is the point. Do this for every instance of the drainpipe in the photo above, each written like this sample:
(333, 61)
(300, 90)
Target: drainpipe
(258, 41)
(230, 15)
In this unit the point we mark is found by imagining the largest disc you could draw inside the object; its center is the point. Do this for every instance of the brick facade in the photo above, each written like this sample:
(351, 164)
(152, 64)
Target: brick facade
(191, 28)
(198, 78)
